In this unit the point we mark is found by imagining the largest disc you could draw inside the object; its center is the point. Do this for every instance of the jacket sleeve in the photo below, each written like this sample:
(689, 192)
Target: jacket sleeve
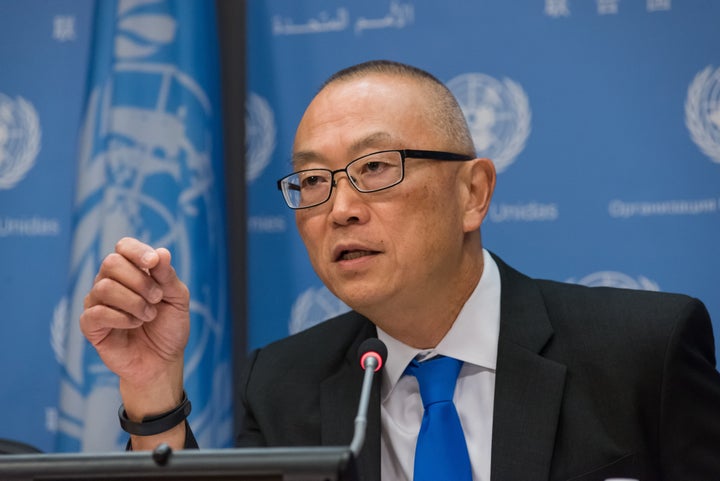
(689, 430)
(190, 442)
(248, 431)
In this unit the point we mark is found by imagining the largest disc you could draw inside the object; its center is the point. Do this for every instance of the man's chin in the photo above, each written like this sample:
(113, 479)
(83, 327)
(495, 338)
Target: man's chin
(359, 297)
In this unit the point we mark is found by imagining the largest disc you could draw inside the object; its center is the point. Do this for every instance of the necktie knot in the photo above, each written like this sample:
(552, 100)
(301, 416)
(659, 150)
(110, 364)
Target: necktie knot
(436, 378)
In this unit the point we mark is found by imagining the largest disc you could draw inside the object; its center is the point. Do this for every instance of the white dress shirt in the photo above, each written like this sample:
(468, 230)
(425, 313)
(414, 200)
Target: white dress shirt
(473, 338)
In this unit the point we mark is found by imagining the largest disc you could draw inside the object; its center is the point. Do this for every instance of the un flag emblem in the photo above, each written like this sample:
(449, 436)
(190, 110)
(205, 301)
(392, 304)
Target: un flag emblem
(498, 114)
(19, 139)
(702, 112)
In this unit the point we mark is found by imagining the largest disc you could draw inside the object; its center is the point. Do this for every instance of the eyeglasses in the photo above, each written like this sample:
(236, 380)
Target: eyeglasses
(369, 173)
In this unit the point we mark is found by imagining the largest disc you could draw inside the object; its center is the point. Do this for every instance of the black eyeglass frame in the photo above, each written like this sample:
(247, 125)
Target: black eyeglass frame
(404, 154)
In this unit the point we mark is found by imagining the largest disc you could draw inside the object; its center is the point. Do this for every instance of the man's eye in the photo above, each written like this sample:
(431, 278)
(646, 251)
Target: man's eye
(374, 167)
(311, 181)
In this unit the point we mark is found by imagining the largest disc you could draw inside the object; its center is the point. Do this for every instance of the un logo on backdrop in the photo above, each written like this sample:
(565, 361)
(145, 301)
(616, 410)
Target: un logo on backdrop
(498, 114)
(19, 139)
(702, 112)
(259, 135)
(616, 279)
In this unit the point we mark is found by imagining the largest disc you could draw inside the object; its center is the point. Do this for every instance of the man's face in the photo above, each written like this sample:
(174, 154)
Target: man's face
(391, 250)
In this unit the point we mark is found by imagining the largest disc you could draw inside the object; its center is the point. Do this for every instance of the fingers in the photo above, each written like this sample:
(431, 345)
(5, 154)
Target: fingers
(111, 293)
(97, 322)
(112, 304)
(131, 284)
(119, 280)
(163, 271)
(136, 278)
(138, 253)
(155, 262)
(173, 289)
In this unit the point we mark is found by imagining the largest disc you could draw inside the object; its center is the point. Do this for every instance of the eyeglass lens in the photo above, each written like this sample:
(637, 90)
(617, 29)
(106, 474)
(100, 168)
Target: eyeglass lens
(372, 172)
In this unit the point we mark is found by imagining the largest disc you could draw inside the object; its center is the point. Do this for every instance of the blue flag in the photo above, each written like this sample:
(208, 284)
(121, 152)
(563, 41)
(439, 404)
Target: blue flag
(150, 167)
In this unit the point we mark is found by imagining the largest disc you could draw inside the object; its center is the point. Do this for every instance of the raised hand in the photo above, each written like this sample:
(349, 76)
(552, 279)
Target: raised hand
(137, 317)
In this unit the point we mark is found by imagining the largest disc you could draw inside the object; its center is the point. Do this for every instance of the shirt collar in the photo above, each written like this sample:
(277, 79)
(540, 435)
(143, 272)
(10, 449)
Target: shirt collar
(473, 337)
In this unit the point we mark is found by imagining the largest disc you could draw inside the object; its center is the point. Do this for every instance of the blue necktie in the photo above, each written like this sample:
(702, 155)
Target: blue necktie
(441, 452)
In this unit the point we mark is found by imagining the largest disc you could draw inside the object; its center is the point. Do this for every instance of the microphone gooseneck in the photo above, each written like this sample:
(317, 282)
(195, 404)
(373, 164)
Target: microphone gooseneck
(371, 354)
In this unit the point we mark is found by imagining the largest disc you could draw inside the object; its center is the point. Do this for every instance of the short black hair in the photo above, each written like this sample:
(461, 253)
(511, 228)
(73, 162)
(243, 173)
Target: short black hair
(389, 67)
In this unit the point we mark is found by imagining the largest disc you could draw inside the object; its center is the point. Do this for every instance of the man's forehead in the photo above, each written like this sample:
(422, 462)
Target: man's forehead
(354, 147)
(374, 83)
(353, 116)
(373, 94)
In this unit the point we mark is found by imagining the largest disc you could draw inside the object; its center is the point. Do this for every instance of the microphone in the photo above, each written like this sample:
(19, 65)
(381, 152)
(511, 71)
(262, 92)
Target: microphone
(372, 354)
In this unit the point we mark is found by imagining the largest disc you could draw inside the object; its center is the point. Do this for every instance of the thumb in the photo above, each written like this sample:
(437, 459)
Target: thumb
(166, 276)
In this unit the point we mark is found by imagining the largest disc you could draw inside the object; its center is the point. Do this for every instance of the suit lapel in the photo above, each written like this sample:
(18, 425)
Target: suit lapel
(339, 398)
(528, 387)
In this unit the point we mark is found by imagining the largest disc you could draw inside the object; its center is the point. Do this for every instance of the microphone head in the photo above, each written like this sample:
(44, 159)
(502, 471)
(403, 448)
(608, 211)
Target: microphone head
(372, 348)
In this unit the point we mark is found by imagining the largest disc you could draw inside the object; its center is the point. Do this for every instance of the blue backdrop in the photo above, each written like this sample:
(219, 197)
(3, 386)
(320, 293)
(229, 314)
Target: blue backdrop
(603, 117)
(44, 50)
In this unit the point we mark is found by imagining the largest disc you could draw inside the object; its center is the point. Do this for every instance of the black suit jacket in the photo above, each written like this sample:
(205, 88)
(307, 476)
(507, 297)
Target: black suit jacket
(591, 383)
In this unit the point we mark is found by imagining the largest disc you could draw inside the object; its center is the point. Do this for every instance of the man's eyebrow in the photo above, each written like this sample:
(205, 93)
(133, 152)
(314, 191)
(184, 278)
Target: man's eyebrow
(380, 140)
(299, 159)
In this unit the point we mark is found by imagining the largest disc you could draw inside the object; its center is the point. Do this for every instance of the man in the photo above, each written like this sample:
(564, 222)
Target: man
(557, 381)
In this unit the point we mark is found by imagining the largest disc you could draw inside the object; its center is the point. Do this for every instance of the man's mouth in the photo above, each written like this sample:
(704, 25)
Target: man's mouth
(349, 255)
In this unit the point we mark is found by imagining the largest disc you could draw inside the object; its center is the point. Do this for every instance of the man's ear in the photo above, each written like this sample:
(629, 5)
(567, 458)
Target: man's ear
(481, 185)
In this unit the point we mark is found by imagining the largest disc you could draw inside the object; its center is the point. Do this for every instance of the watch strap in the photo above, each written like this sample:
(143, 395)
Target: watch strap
(156, 424)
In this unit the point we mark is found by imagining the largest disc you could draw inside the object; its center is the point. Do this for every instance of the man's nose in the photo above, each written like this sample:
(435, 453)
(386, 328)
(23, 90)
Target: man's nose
(346, 201)
(343, 186)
